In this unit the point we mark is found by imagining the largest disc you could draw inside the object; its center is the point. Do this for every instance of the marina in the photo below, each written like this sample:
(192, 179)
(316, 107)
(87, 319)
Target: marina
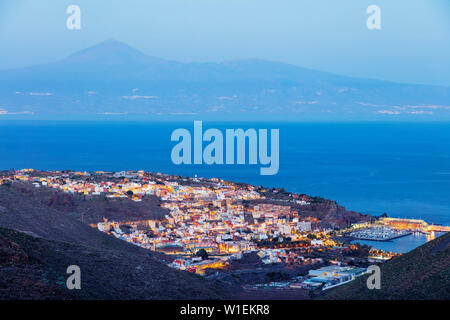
(378, 233)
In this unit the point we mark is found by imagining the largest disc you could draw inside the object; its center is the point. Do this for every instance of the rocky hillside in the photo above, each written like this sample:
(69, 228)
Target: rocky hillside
(26, 213)
(35, 268)
(114, 78)
(329, 212)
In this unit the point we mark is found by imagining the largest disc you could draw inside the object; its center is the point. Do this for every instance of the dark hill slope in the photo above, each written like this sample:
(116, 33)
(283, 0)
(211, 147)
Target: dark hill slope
(23, 278)
(92, 209)
(35, 268)
(423, 273)
(22, 212)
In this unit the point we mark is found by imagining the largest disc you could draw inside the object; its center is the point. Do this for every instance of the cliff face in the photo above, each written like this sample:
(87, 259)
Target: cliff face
(332, 214)
(27, 213)
(23, 278)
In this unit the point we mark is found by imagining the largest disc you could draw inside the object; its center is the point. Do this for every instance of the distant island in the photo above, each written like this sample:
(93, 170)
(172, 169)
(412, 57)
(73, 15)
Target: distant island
(113, 80)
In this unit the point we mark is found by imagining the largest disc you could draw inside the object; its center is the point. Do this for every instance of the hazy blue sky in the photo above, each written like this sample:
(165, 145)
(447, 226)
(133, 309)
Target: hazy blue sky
(329, 35)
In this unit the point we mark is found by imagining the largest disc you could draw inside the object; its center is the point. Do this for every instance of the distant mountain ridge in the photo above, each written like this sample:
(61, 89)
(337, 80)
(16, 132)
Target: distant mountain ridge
(114, 51)
(114, 78)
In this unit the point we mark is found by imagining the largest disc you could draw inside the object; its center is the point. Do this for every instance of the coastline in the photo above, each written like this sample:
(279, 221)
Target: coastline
(367, 175)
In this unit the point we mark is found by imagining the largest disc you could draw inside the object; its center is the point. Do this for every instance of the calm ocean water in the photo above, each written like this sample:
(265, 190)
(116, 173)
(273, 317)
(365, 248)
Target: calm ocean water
(400, 245)
(402, 169)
